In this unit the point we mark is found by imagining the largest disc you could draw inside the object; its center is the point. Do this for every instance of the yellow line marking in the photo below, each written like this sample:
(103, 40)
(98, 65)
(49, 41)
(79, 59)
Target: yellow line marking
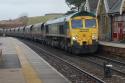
(29, 73)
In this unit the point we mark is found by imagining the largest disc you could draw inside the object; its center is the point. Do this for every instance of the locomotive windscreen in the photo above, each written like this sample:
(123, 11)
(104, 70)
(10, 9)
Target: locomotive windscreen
(77, 24)
(90, 23)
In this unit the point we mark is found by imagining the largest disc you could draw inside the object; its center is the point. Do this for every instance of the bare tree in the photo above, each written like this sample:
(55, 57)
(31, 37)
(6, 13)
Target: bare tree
(75, 4)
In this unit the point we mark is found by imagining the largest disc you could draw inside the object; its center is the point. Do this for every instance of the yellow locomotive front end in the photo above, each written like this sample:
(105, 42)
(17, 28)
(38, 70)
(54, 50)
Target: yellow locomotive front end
(84, 34)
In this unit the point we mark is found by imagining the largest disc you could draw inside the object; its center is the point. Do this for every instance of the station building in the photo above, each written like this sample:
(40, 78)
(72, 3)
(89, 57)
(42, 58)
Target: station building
(111, 19)
(111, 16)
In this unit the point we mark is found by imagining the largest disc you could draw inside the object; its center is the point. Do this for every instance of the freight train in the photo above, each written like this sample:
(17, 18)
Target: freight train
(76, 33)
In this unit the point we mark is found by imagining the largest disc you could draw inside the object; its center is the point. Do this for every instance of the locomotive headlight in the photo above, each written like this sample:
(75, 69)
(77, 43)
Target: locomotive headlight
(94, 36)
(74, 38)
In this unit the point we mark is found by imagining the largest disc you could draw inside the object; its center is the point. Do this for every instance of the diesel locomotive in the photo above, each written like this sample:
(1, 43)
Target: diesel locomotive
(76, 33)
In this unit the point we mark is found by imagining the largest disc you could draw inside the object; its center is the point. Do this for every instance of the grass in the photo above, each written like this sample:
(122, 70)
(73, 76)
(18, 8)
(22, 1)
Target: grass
(41, 19)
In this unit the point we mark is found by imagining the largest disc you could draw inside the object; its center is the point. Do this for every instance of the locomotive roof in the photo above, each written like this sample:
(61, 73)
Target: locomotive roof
(61, 19)
(67, 17)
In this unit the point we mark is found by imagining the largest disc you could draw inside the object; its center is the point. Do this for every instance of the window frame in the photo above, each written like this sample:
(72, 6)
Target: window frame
(91, 26)
(77, 27)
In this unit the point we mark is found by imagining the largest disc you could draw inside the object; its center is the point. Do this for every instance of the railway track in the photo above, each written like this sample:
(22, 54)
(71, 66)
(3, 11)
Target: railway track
(71, 71)
(118, 67)
(111, 60)
(80, 62)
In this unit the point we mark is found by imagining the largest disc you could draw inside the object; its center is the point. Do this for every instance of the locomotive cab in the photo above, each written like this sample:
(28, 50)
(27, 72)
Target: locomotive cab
(84, 34)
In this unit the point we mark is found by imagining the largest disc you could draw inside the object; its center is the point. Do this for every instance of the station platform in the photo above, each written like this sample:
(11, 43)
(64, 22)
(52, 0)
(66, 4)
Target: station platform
(114, 48)
(112, 44)
(20, 64)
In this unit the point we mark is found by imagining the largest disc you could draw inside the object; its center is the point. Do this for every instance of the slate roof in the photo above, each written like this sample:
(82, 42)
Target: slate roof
(114, 6)
(111, 3)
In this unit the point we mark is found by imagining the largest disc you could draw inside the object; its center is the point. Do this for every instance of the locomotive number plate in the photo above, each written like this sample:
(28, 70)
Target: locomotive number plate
(84, 30)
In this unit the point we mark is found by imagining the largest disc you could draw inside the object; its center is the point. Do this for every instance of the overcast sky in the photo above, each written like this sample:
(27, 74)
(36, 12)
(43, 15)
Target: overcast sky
(10, 9)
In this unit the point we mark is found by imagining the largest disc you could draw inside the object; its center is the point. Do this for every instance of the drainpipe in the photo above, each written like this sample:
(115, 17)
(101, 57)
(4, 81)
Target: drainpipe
(111, 20)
